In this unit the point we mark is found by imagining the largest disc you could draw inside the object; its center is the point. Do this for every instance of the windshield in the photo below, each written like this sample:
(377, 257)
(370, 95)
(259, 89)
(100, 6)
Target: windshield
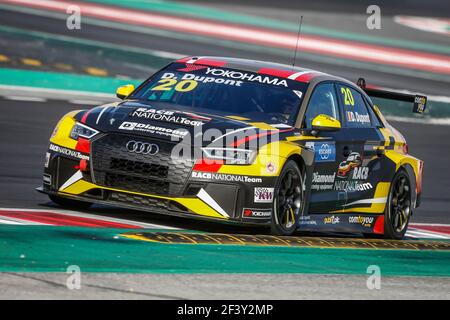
(225, 91)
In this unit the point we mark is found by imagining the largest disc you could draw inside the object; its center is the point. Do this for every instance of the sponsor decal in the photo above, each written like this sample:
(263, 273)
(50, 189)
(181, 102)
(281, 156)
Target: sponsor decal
(358, 118)
(323, 178)
(419, 104)
(47, 159)
(251, 77)
(306, 220)
(47, 179)
(167, 116)
(202, 79)
(350, 116)
(360, 173)
(324, 151)
(263, 195)
(142, 127)
(321, 182)
(364, 221)
(354, 160)
(332, 220)
(270, 168)
(256, 213)
(224, 177)
(68, 152)
(352, 175)
(352, 185)
(298, 93)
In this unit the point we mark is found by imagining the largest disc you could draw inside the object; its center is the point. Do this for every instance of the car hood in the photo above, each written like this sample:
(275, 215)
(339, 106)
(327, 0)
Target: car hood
(173, 123)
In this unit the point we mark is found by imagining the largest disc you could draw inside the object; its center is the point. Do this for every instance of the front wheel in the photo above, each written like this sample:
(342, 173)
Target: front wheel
(398, 208)
(288, 200)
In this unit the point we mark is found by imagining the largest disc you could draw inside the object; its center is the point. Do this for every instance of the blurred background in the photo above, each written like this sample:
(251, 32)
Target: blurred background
(56, 56)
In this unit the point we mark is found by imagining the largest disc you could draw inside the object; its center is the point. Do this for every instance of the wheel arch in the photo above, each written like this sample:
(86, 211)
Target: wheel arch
(304, 158)
(413, 168)
(297, 158)
(408, 169)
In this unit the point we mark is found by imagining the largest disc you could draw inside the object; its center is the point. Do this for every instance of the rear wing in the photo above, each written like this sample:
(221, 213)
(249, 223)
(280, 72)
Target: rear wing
(419, 102)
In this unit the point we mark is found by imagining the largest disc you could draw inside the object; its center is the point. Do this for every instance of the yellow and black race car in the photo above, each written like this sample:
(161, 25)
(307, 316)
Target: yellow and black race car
(242, 141)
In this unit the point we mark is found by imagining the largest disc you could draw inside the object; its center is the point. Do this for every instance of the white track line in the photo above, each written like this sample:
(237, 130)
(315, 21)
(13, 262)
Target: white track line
(86, 102)
(9, 222)
(422, 234)
(94, 216)
(57, 93)
(23, 98)
(412, 225)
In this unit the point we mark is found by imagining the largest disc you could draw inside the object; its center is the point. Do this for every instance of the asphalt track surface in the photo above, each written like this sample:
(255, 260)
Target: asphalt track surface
(25, 127)
(220, 286)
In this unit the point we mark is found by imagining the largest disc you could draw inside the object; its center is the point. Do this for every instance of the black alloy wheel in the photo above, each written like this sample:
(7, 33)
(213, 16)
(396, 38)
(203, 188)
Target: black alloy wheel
(399, 207)
(288, 200)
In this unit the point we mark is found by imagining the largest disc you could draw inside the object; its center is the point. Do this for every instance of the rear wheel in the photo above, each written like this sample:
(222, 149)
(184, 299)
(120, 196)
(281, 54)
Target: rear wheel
(69, 203)
(288, 200)
(399, 207)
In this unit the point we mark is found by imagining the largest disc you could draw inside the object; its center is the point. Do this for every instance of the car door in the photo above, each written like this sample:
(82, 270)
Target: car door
(328, 150)
(360, 170)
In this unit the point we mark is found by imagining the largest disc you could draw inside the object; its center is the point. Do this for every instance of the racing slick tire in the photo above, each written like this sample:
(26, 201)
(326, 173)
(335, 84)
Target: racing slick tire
(288, 200)
(398, 207)
(69, 203)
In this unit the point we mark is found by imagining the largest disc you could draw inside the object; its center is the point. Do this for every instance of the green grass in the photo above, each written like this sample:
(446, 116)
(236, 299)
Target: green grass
(62, 81)
(53, 249)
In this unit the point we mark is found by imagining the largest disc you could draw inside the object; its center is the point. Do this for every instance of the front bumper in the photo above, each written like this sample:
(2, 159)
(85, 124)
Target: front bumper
(154, 184)
(153, 209)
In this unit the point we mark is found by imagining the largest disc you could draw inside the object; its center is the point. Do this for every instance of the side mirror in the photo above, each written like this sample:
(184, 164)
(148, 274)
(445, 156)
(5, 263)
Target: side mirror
(323, 122)
(124, 91)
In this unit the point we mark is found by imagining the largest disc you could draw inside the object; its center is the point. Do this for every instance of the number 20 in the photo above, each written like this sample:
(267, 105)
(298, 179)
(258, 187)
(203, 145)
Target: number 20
(182, 86)
(348, 97)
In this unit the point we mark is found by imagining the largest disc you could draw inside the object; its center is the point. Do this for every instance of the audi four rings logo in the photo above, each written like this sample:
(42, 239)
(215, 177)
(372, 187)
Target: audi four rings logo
(142, 147)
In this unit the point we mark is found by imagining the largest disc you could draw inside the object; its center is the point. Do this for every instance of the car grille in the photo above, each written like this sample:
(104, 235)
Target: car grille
(148, 202)
(115, 167)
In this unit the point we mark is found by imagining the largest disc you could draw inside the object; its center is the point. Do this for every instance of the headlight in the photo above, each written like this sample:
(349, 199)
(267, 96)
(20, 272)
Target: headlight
(80, 130)
(230, 155)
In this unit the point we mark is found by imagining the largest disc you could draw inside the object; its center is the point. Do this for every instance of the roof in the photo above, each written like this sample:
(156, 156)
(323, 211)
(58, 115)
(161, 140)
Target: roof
(261, 67)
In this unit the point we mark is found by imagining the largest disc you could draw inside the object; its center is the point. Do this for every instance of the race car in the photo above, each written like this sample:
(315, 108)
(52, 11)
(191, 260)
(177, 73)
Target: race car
(241, 141)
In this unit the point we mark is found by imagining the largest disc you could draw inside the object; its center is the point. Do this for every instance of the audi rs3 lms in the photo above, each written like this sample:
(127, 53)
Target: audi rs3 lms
(242, 141)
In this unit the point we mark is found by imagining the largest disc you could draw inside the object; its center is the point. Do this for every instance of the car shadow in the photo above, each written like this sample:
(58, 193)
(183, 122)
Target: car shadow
(187, 223)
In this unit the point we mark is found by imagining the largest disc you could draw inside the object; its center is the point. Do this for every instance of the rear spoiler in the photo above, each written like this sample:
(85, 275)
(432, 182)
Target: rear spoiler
(419, 102)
